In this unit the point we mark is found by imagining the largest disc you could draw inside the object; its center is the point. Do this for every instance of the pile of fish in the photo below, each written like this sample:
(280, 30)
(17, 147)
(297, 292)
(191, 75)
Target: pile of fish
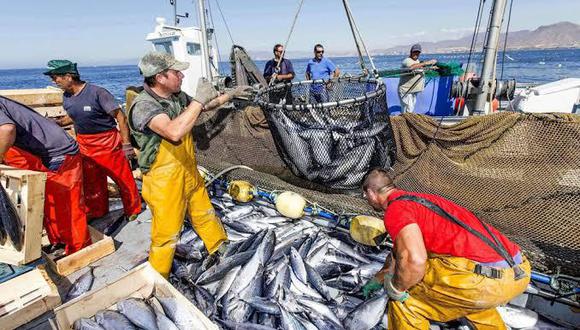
(279, 273)
(155, 313)
(10, 225)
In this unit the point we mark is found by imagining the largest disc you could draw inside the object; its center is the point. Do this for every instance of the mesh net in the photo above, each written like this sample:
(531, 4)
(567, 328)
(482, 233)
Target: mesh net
(330, 132)
(518, 172)
(443, 69)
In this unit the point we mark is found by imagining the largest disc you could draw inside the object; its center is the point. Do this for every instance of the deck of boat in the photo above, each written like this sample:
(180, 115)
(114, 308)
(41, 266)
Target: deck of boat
(132, 245)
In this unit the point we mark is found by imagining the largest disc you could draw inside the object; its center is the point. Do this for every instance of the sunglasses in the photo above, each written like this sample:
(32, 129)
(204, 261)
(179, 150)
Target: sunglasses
(319, 52)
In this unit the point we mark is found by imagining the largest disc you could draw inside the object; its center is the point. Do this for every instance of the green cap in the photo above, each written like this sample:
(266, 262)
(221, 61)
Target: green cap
(154, 62)
(60, 67)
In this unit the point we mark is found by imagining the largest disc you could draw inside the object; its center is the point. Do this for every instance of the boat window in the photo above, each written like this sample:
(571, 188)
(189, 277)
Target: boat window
(164, 47)
(193, 48)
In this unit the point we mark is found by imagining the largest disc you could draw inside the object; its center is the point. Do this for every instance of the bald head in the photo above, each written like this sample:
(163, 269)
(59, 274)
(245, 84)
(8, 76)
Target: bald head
(376, 183)
(376, 179)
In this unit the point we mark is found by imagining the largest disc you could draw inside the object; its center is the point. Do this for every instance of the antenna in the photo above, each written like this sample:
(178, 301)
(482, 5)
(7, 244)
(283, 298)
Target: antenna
(175, 15)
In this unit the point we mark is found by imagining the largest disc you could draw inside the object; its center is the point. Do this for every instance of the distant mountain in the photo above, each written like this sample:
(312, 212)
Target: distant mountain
(559, 35)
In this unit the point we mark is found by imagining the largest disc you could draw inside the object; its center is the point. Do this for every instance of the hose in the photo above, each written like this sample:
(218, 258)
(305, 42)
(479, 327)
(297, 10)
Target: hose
(226, 171)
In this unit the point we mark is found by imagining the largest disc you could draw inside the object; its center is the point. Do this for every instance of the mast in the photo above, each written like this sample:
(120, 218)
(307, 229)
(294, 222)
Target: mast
(204, 40)
(487, 82)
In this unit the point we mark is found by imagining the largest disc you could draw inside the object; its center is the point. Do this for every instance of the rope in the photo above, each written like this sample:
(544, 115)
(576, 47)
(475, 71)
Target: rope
(354, 35)
(361, 39)
(507, 31)
(287, 40)
(225, 22)
(215, 36)
(475, 33)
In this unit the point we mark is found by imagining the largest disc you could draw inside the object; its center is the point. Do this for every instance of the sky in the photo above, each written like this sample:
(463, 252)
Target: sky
(113, 31)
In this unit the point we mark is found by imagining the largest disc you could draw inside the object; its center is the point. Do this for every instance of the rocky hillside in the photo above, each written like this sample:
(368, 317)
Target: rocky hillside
(559, 35)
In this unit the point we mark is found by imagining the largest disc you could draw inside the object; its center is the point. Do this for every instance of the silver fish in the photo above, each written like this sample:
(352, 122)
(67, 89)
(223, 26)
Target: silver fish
(86, 324)
(179, 314)
(367, 314)
(112, 320)
(81, 285)
(138, 312)
(289, 322)
(298, 265)
(243, 326)
(11, 224)
(218, 271)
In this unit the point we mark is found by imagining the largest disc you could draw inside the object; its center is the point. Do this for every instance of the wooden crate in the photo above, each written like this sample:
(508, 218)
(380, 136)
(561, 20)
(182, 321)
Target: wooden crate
(141, 282)
(26, 297)
(26, 190)
(46, 101)
(102, 246)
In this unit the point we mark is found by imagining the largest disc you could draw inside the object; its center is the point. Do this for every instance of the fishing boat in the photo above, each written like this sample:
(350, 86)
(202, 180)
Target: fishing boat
(493, 156)
(498, 165)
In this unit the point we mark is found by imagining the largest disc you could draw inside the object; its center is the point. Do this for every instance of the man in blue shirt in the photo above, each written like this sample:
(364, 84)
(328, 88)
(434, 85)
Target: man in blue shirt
(317, 68)
(282, 73)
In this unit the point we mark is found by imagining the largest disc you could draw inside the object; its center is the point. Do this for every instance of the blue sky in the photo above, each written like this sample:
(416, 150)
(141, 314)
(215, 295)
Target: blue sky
(113, 31)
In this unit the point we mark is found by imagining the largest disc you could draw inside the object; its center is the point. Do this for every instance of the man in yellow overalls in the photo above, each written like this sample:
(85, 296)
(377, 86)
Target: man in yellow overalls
(161, 119)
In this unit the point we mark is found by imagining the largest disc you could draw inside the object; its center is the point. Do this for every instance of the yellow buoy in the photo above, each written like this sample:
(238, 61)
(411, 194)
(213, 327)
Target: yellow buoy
(367, 230)
(241, 191)
(290, 204)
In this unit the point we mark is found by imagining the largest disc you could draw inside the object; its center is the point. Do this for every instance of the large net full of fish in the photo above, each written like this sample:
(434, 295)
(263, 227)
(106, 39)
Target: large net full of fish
(279, 273)
(330, 132)
(518, 172)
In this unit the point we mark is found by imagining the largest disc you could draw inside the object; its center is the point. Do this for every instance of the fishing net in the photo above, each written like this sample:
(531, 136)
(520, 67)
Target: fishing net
(444, 69)
(330, 132)
(518, 172)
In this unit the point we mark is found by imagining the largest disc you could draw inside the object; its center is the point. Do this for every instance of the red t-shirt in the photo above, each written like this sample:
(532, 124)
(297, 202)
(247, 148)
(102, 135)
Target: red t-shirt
(440, 235)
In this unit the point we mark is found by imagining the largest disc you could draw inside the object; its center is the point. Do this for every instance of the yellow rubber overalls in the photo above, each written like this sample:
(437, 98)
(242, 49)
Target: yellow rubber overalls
(173, 186)
(450, 290)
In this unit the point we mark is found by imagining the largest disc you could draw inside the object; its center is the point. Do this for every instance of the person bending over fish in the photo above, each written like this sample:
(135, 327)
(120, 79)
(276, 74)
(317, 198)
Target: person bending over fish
(445, 264)
(161, 119)
(30, 141)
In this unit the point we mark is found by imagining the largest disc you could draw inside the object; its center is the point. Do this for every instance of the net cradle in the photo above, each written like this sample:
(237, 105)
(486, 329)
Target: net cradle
(330, 131)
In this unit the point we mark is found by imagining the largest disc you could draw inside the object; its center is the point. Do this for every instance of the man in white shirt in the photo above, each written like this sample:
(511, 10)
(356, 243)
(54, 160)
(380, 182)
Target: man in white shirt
(412, 82)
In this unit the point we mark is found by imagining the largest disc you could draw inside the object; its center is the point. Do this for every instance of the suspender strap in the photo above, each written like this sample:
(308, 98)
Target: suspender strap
(496, 246)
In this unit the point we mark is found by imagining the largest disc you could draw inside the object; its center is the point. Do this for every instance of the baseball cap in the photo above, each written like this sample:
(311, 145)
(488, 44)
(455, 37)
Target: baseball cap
(154, 62)
(416, 48)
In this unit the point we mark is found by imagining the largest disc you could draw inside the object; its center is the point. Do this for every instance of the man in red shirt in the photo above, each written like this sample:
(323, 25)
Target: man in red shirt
(445, 264)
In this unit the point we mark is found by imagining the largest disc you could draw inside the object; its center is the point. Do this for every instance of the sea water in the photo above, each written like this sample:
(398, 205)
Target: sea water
(526, 66)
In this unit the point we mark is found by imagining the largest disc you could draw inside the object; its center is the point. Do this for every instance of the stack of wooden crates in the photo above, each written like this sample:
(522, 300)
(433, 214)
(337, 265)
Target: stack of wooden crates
(26, 291)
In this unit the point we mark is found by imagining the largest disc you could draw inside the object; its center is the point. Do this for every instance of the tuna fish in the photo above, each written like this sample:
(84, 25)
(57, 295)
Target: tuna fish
(81, 285)
(11, 224)
(112, 320)
(368, 314)
(86, 324)
(138, 312)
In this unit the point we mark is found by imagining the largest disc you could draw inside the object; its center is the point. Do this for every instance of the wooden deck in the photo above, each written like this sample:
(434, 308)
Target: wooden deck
(132, 246)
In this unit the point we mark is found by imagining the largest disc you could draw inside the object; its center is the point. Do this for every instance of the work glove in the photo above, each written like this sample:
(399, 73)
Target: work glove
(128, 150)
(371, 287)
(392, 292)
(241, 92)
(205, 91)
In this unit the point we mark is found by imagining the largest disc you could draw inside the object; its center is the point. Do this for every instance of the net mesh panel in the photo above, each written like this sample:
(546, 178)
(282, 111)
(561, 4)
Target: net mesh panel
(332, 132)
(518, 172)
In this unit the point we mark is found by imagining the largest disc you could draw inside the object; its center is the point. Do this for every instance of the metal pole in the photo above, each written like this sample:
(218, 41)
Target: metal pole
(204, 41)
(490, 56)
(174, 2)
